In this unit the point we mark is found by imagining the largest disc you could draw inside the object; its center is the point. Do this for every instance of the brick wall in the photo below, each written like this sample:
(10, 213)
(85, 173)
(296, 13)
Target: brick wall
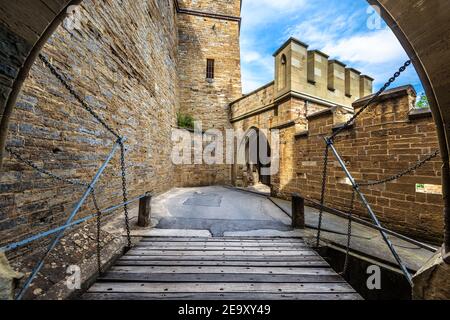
(123, 61)
(384, 140)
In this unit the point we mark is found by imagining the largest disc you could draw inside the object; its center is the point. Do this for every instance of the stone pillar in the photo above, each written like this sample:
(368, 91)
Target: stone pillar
(432, 281)
(8, 279)
(298, 212)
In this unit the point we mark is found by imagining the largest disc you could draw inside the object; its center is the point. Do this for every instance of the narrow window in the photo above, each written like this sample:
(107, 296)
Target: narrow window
(282, 73)
(210, 69)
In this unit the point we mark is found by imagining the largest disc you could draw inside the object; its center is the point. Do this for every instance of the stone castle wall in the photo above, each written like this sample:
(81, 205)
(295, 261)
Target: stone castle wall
(123, 61)
(137, 64)
(207, 100)
(384, 141)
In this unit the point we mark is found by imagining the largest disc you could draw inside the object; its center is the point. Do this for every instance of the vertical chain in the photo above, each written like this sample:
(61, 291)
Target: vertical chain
(99, 216)
(349, 233)
(124, 191)
(322, 197)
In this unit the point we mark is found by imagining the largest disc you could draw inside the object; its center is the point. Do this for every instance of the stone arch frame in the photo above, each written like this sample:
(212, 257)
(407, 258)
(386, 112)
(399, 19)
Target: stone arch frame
(242, 152)
(422, 33)
(282, 72)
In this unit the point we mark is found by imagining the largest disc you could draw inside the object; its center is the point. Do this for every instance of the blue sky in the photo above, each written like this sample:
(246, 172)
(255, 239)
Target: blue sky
(347, 30)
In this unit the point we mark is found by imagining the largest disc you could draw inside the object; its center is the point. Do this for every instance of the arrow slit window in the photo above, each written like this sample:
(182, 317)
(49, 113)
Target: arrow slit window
(210, 69)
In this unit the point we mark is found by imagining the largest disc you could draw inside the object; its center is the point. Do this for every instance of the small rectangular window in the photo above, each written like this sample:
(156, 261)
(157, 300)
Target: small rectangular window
(210, 69)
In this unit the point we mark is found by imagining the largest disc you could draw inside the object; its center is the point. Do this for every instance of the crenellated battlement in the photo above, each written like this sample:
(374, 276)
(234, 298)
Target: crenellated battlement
(312, 72)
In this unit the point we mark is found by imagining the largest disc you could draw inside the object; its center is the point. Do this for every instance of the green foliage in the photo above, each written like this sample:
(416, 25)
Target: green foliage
(422, 102)
(185, 121)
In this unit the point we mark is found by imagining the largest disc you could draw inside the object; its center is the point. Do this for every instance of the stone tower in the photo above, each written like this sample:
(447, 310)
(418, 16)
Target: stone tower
(313, 74)
(209, 59)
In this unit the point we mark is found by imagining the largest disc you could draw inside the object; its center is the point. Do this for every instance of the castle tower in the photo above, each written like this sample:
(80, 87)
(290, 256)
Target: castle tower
(313, 74)
(209, 59)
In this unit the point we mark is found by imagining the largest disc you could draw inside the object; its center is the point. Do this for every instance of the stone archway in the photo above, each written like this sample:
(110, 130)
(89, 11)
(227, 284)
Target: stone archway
(251, 146)
(422, 27)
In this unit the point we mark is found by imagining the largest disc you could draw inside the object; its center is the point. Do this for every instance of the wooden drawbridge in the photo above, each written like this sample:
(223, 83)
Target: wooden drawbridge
(168, 268)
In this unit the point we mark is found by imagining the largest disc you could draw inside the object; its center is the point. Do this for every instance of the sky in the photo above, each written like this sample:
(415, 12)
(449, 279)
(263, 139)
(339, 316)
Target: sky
(347, 30)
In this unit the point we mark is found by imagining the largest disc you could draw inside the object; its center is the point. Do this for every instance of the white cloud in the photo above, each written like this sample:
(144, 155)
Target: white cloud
(375, 47)
(336, 27)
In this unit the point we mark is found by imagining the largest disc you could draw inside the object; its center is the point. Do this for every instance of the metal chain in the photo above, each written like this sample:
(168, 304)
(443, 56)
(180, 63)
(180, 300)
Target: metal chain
(73, 183)
(349, 233)
(72, 91)
(43, 171)
(83, 103)
(99, 221)
(322, 197)
(415, 167)
(373, 99)
(124, 192)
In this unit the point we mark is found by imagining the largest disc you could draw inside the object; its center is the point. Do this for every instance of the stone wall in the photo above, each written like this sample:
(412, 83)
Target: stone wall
(384, 140)
(194, 174)
(207, 100)
(123, 61)
(202, 38)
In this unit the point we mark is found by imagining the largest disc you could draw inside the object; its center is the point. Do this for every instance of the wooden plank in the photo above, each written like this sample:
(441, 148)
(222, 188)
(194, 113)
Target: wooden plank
(221, 258)
(243, 240)
(205, 253)
(217, 277)
(317, 263)
(225, 270)
(221, 296)
(220, 244)
(222, 287)
(223, 248)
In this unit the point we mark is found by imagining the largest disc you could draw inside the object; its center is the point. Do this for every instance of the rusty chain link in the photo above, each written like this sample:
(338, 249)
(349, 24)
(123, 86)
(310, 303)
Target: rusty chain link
(76, 183)
(120, 139)
(98, 233)
(349, 233)
(18, 157)
(72, 91)
(330, 140)
(322, 198)
(373, 99)
(124, 193)
(405, 172)
(83, 103)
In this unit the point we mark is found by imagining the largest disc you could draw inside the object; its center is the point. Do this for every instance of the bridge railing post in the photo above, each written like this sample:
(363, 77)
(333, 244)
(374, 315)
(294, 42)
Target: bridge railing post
(145, 210)
(298, 211)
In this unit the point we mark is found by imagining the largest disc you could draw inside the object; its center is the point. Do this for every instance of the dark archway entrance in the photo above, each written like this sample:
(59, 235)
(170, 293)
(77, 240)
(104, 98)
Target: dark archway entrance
(257, 157)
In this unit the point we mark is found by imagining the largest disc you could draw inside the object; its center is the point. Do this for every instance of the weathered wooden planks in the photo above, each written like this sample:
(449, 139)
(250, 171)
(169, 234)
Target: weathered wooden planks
(220, 296)
(221, 268)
